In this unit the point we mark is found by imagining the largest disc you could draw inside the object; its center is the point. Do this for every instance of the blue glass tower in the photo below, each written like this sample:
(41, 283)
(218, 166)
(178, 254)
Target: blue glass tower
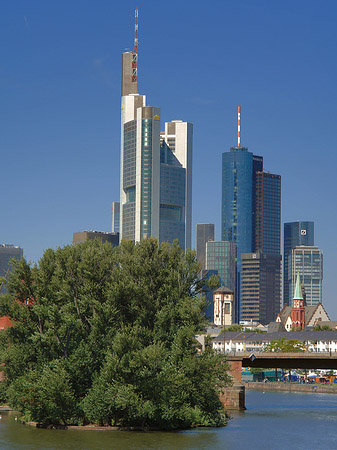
(239, 169)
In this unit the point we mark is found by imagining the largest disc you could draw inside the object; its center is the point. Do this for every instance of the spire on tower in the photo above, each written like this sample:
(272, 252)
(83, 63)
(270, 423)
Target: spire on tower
(135, 50)
(239, 125)
(298, 295)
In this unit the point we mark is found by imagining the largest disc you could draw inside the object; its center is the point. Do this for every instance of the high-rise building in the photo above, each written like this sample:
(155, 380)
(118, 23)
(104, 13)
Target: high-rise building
(7, 252)
(295, 234)
(178, 137)
(115, 217)
(260, 286)
(251, 208)
(268, 213)
(83, 236)
(205, 233)
(156, 167)
(221, 256)
(307, 261)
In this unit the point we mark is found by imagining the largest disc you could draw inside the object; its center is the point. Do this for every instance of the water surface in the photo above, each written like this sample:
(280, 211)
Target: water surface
(273, 420)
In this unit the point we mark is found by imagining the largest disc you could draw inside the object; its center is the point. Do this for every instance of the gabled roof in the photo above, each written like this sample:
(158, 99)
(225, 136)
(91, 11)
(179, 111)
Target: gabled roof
(274, 327)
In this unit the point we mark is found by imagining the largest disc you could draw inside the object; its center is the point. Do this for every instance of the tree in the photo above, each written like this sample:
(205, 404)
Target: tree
(108, 336)
(285, 345)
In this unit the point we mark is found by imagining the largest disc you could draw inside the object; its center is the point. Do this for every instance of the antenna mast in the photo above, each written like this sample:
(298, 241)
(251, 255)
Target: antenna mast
(239, 125)
(135, 50)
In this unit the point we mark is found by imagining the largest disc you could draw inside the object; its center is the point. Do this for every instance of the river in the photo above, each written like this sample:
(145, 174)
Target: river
(273, 420)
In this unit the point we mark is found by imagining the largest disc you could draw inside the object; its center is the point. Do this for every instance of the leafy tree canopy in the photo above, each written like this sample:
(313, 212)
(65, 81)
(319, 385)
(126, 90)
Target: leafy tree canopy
(285, 345)
(106, 336)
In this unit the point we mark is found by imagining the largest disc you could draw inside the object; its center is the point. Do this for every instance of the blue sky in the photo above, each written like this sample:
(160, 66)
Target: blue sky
(60, 72)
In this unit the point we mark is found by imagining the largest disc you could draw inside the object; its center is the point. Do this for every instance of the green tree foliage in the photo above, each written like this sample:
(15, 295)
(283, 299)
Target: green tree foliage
(107, 336)
(285, 345)
(322, 328)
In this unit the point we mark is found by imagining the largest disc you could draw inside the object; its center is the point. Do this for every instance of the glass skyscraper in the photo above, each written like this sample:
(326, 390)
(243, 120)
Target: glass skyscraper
(156, 170)
(295, 234)
(251, 218)
(221, 256)
(205, 233)
(308, 262)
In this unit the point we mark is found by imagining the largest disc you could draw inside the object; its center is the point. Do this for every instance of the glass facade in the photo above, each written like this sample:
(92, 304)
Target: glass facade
(115, 215)
(295, 234)
(172, 197)
(308, 262)
(239, 169)
(146, 178)
(268, 213)
(205, 233)
(221, 256)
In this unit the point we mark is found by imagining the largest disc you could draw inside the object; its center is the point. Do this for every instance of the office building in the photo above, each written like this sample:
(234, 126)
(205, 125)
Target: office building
(83, 236)
(7, 252)
(295, 234)
(307, 261)
(268, 213)
(205, 233)
(156, 167)
(260, 287)
(208, 293)
(221, 256)
(115, 217)
(251, 208)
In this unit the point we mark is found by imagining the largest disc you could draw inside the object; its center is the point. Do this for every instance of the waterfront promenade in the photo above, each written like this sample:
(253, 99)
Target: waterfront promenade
(291, 387)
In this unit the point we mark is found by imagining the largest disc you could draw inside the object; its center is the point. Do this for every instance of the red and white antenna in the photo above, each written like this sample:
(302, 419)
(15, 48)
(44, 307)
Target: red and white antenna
(239, 125)
(135, 50)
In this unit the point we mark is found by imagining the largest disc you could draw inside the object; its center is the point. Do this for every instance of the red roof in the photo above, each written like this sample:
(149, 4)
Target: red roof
(5, 322)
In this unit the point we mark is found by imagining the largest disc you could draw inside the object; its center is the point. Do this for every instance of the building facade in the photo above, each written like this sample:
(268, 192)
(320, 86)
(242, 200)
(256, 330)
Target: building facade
(221, 256)
(260, 287)
(295, 234)
(205, 233)
(7, 252)
(223, 299)
(268, 213)
(307, 261)
(83, 236)
(115, 217)
(156, 169)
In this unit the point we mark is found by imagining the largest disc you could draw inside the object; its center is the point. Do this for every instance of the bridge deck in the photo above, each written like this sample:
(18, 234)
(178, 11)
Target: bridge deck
(286, 360)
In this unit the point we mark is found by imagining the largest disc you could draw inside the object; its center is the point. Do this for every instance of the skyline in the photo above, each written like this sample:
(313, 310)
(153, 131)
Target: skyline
(60, 111)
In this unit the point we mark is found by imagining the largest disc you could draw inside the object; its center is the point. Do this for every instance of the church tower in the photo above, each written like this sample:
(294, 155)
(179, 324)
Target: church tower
(297, 310)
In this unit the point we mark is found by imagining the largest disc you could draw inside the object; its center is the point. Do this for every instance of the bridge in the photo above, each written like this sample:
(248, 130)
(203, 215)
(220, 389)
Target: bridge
(234, 396)
(285, 360)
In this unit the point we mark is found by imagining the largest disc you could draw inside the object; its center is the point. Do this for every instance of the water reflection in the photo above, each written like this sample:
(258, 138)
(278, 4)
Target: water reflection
(274, 420)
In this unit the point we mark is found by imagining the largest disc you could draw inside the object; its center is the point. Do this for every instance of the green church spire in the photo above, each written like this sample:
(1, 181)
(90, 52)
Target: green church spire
(298, 289)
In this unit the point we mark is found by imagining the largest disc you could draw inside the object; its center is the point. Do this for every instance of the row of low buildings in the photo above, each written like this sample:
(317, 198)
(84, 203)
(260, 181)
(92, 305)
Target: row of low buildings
(314, 341)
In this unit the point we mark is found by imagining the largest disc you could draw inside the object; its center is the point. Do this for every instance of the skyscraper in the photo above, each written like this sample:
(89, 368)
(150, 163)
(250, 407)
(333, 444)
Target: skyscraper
(307, 261)
(115, 217)
(268, 213)
(221, 256)
(205, 233)
(260, 286)
(251, 208)
(156, 167)
(7, 252)
(295, 234)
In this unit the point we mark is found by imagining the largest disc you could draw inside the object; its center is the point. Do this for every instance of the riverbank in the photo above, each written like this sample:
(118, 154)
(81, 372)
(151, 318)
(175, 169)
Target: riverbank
(291, 387)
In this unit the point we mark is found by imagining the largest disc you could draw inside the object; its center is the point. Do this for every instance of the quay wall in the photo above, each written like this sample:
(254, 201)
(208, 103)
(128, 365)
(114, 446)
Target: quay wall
(292, 387)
